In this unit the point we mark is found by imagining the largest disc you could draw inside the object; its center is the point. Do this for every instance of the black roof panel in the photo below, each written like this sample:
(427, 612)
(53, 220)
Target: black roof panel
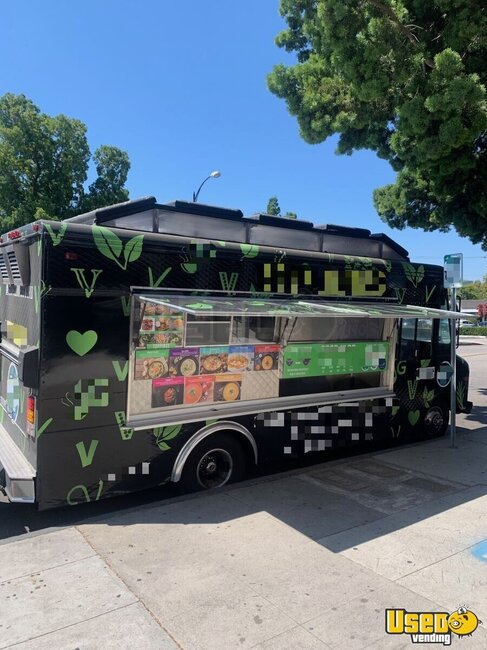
(100, 215)
(203, 210)
(281, 222)
(207, 221)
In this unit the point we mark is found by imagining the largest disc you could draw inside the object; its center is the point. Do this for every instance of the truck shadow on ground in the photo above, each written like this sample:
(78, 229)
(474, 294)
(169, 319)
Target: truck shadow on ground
(339, 504)
(479, 412)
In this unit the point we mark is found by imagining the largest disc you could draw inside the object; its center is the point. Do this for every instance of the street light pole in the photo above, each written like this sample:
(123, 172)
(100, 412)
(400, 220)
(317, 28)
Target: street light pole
(215, 174)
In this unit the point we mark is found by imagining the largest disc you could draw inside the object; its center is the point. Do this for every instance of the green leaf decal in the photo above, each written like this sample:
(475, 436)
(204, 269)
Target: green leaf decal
(424, 362)
(170, 432)
(107, 242)
(162, 434)
(410, 272)
(428, 397)
(249, 250)
(413, 274)
(133, 249)
(419, 274)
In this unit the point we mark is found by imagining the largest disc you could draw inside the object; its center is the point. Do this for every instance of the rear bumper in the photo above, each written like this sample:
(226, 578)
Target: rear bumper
(17, 473)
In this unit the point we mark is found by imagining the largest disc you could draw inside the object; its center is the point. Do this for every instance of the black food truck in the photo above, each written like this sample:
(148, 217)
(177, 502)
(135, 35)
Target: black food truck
(145, 343)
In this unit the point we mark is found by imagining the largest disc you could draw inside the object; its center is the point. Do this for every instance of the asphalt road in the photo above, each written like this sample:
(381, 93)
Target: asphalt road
(17, 519)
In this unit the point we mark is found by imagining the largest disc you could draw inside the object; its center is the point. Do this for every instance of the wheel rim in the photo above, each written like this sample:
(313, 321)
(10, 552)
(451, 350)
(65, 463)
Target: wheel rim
(434, 419)
(214, 469)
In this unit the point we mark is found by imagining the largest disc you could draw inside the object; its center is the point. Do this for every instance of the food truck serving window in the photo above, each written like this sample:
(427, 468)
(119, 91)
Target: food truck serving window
(191, 353)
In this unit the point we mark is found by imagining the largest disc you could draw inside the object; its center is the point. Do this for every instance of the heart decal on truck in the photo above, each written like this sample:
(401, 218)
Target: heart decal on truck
(81, 343)
(413, 417)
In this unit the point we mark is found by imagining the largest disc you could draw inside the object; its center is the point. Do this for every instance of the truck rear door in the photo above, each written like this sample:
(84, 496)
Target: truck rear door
(20, 292)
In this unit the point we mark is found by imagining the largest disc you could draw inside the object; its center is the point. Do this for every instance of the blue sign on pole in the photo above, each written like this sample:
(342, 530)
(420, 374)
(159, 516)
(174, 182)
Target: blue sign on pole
(453, 270)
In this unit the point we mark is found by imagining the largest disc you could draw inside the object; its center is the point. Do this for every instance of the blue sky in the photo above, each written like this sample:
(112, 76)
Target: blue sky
(181, 86)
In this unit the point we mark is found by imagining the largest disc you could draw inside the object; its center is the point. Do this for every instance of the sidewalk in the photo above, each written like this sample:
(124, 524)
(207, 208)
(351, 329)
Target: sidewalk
(304, 561)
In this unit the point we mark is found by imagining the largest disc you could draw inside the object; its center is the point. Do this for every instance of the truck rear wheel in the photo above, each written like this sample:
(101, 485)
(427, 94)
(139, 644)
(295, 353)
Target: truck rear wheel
(436, 419)
(215, 462)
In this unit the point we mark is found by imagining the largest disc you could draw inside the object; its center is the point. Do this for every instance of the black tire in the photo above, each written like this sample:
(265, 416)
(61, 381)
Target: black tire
(218, 460)
(435, 419)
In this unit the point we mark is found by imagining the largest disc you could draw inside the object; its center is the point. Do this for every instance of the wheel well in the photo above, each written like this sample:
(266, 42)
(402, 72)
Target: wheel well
(232, 429)
(243, 441)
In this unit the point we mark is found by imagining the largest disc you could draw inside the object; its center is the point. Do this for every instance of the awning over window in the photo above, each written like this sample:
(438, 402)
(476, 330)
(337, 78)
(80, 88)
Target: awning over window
(288, 308)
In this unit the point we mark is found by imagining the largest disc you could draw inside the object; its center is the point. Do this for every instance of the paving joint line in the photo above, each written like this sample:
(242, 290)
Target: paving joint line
(66, 627)
(115, 572)
(49, 568)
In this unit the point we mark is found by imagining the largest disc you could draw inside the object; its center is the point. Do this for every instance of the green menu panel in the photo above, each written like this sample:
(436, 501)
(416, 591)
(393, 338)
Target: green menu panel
(334, 358)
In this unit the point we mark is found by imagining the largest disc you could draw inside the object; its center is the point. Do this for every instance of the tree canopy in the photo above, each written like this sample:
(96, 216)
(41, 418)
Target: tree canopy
(112, 168)
(274, 209)
(273, 206)
(44, 164)
(475, 290)
(406, 79)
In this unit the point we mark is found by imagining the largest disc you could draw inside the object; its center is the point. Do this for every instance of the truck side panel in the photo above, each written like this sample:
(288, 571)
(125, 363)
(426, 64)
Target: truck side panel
(85, 452)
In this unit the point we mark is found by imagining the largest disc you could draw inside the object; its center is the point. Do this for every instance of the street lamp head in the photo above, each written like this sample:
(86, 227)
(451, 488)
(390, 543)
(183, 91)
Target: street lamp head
(215, 174)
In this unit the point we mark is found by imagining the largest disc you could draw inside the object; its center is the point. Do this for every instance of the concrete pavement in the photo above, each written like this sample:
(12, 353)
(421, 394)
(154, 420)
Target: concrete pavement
(307, 560)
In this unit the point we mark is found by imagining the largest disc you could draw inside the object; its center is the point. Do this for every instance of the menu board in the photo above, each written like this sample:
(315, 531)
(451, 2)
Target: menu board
(334, 358)
(151, 364)
(186, 376)
(266, 357)
(160, 326)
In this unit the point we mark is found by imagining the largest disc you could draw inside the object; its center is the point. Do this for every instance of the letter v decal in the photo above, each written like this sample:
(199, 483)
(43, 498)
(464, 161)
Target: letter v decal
(86, 458)
(121, 371)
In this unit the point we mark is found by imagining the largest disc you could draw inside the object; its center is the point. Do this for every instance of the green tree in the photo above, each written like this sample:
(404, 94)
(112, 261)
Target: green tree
(44, 162)
(406, 79)
(273, 206)
(112, 167)
(475, 290)
(274, 209)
